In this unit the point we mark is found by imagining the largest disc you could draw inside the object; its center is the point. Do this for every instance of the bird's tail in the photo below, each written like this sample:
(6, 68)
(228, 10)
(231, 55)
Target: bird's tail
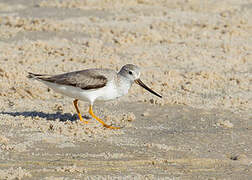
(36, 76)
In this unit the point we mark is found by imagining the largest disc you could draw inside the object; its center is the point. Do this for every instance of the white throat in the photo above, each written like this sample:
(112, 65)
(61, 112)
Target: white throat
(124, 85)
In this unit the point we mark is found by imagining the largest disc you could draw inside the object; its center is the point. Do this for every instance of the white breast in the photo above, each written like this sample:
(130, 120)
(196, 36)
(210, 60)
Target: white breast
(111, 91)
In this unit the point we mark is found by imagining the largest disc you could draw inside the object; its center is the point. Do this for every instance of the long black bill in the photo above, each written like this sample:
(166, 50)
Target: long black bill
(139, 82)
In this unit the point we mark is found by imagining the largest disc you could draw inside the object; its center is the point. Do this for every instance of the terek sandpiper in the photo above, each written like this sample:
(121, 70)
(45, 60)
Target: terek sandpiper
(94, 84)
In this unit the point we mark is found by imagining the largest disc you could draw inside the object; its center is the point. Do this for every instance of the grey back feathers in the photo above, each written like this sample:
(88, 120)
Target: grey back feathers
(86, 79)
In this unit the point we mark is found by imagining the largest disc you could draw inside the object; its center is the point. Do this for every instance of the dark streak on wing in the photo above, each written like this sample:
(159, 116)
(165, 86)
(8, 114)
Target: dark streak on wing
(85, 79)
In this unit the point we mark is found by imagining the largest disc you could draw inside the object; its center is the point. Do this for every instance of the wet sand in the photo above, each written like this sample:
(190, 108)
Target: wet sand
(196, 54)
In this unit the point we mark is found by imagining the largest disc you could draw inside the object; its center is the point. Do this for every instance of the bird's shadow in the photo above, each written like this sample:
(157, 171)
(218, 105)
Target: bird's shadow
(47, 116)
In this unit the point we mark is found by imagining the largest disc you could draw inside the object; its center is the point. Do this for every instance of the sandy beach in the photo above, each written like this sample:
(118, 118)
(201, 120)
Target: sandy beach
(197, 54)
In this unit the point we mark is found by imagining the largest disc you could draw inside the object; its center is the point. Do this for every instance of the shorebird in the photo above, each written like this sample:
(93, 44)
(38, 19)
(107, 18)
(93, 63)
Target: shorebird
(94, 84)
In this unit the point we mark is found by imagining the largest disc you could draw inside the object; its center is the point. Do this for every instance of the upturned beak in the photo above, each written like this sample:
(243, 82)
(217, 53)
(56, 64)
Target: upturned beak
(139, 82)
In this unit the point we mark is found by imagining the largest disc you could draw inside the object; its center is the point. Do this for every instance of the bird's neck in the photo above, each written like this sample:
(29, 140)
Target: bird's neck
(123, 85)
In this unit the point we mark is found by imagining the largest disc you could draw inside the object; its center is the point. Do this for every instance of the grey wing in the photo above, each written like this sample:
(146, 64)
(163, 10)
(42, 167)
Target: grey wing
(85, 79)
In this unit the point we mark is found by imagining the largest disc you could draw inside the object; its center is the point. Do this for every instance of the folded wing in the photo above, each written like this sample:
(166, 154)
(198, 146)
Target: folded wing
(86, 79)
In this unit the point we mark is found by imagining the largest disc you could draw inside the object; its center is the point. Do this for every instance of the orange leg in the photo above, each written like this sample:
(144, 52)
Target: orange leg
(78, 112)
(100, 121)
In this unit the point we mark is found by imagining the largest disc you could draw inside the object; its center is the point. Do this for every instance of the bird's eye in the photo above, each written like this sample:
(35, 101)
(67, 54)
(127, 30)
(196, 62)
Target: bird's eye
(130, 72)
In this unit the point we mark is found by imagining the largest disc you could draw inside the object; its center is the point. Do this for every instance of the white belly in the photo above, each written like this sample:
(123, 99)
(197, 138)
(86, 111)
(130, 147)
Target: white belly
(108, 92)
